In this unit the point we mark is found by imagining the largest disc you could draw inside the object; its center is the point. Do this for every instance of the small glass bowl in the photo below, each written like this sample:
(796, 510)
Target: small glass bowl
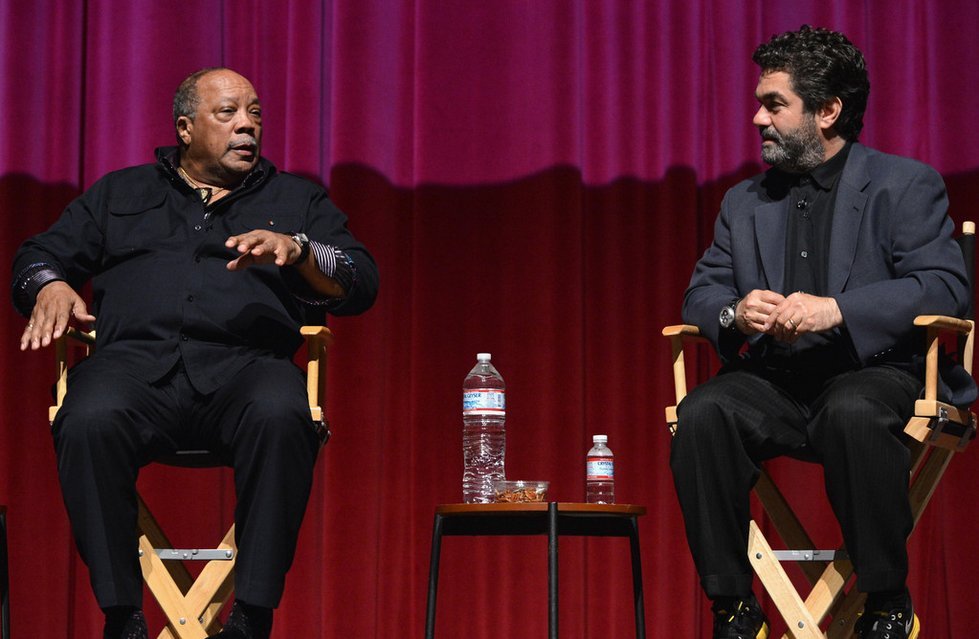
(514, 491)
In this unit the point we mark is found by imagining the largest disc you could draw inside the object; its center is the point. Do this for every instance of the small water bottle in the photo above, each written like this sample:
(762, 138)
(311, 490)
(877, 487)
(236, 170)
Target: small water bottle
(600, 473)
(483, 431)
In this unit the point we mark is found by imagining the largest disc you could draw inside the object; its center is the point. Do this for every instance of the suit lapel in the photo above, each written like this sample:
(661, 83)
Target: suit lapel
(851, 199)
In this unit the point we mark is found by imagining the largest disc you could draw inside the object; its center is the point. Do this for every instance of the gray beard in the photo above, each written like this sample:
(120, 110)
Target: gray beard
(797, 152)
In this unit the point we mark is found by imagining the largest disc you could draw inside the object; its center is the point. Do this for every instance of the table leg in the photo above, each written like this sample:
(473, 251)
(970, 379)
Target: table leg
(433, 576)
(4, 578)
(552, 590)
(637, 578)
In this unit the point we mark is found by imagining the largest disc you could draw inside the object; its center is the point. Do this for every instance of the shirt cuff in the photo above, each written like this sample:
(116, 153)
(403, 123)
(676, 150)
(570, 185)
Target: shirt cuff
(29, 282)
(333, 263)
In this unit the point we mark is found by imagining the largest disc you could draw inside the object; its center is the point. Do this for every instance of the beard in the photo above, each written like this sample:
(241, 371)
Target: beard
(798, 151)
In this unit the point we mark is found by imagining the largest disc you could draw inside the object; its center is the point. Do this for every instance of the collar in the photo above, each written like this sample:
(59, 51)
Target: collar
(168, 159)
(826, 174)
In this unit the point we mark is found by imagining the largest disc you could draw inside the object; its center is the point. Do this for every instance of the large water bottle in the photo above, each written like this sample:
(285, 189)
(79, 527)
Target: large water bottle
(600, 472)
(483, 431)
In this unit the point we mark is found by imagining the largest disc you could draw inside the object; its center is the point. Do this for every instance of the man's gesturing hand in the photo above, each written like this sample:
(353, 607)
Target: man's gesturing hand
(56, 304)
(262, 247)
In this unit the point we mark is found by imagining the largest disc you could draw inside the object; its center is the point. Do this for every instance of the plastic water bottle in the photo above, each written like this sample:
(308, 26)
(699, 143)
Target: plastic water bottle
(600, 473)
(483, 431)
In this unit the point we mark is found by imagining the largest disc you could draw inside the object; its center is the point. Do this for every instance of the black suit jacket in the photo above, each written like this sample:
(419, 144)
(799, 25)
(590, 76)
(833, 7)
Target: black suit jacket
(892, 257)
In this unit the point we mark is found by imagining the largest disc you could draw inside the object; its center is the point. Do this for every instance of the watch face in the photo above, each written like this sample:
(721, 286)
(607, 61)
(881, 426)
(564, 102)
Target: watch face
(727, 317)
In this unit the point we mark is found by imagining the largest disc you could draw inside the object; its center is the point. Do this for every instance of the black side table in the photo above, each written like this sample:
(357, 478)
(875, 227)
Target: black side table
(537, 518)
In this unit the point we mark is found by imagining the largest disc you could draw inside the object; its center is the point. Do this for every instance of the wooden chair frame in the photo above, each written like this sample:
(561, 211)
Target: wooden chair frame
(936, 431)
(192, 605)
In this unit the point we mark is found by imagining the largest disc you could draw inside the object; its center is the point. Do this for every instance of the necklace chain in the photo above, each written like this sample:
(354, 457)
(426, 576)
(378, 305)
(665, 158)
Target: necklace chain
(204, 191)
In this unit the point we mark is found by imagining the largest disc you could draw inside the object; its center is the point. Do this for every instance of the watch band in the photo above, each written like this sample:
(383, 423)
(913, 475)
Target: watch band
(303, 242)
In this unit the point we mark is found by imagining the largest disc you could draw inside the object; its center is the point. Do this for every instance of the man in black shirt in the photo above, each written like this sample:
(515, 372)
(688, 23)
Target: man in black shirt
(203, 267)
(808, 291)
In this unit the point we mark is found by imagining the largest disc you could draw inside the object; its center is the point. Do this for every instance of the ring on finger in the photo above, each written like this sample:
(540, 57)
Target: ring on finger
(792, 324)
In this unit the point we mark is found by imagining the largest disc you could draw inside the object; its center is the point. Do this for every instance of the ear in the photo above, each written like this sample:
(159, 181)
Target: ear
(185, 128)
(829, 113)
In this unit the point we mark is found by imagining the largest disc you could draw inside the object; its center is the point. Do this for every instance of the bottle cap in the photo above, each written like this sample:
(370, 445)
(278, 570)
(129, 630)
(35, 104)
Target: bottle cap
(600, 439)
(483, 357)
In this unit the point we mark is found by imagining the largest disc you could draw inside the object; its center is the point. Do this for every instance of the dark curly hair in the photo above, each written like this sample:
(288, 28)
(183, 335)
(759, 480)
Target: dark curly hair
(823, 65)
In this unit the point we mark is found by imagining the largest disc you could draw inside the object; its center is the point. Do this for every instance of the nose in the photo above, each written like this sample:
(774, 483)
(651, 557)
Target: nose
(244, 123)
(762, 117)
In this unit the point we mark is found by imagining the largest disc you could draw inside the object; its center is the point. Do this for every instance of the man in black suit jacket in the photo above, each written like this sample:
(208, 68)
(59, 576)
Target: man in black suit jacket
(808, 291)
(203, 266)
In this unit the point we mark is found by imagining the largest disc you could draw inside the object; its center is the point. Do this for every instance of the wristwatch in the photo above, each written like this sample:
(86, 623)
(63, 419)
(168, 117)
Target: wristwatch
(303, 242)
(728, 314)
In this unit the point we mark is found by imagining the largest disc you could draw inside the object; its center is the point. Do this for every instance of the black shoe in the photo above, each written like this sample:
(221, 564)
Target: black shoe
(124, 623)
(899, 623)
(247, 622)
(739, 619)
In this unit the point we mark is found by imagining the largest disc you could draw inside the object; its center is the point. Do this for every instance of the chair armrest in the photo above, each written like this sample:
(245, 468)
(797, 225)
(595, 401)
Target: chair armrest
(944, 323)
(936, 326)
(85, 338)
(679, 335)
(318, 340)
(681, 330)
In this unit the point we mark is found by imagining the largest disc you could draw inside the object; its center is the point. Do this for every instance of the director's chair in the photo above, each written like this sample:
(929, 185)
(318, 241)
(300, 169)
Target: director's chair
(936, 431)
(192, 605)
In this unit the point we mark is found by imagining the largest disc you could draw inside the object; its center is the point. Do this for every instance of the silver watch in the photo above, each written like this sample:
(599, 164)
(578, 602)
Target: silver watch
(303, 242)
(728, 314)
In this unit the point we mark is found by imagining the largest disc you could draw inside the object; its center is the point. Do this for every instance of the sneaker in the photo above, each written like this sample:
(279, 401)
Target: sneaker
(124, 623)
(740, 620)
(247, 622)
(900, 623)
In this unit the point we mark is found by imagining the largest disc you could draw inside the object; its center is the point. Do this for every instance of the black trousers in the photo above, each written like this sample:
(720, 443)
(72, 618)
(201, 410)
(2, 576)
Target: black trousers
(850, 422)
(112, 423)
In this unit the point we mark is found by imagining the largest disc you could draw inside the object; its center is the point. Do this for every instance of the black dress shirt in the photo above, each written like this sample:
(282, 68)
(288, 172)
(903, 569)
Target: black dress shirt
(157, 262)
(811, 198)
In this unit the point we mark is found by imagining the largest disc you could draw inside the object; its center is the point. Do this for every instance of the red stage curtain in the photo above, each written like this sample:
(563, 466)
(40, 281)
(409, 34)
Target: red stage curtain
(536, 179)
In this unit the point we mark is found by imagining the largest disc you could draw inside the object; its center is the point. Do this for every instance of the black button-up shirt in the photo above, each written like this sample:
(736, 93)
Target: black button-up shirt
(158, 266)
(811, 199)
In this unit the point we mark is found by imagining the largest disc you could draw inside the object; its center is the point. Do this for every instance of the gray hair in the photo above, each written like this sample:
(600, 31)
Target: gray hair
(186, 99)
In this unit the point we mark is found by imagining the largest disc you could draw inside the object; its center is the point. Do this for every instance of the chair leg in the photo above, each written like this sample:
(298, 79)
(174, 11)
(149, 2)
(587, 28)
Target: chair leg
(845, 617)
(214, 586)
(786, 523)
(156, 538)
(191, 606)
(801, 623)
(182, 623)
(926, 480)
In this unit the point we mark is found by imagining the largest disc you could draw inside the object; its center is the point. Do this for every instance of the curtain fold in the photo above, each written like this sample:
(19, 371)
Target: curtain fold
(536, 179)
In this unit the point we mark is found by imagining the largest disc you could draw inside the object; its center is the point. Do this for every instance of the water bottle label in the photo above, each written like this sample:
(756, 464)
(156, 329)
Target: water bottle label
(484, 401)
(600, 469)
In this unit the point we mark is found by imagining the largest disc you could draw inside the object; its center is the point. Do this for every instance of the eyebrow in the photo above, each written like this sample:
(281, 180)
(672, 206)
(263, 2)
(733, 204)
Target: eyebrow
(772, 96)
(226, 101)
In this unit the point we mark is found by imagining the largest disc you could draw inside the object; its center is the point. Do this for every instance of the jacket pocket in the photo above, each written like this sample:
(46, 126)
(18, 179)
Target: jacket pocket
(136, 221)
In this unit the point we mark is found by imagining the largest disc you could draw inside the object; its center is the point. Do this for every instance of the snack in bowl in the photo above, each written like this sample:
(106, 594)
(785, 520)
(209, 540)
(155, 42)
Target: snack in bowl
(512, 492)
